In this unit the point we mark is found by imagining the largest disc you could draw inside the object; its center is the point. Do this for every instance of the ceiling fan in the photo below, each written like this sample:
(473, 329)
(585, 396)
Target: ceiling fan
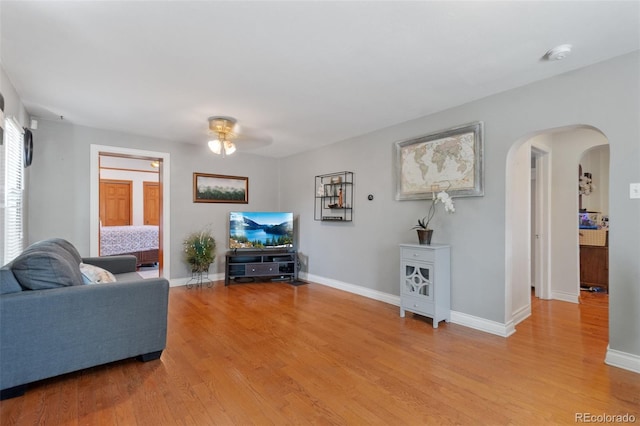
(226, 129)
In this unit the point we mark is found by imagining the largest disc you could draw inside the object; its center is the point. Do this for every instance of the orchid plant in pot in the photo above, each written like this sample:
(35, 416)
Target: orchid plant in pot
(424, 232)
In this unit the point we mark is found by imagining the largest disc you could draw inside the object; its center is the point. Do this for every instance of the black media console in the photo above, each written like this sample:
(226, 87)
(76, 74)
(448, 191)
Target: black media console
(272, 264)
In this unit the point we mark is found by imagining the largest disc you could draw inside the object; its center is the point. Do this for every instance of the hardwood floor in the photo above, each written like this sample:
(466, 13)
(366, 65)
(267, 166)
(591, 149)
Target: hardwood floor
(271, 353)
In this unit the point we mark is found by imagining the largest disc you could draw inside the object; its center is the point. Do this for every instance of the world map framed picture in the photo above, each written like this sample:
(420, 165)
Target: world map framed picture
(449, 160)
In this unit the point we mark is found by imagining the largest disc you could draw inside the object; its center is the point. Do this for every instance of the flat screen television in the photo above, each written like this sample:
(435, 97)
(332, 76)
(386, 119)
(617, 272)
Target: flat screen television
(260, 230)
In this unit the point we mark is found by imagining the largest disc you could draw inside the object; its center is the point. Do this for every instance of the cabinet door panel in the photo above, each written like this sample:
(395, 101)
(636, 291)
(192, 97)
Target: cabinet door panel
(417, 279)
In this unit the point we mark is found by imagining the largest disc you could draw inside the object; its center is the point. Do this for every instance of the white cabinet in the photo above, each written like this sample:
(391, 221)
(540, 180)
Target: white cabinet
(425, 281)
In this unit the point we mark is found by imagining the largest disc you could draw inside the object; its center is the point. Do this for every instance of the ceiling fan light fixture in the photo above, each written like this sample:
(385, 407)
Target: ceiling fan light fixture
(222, 124)
(225, 128)
(215, 146)
(229, 147)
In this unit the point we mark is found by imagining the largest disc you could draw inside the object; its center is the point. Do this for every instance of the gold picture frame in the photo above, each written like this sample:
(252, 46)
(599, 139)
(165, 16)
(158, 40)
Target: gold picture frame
(210, 188)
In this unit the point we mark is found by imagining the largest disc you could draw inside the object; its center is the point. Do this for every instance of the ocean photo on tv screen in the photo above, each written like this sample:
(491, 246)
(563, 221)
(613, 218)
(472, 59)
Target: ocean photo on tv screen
(258, 230)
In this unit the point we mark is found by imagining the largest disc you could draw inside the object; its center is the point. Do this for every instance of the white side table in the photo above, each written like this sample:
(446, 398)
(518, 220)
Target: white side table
(425, 283)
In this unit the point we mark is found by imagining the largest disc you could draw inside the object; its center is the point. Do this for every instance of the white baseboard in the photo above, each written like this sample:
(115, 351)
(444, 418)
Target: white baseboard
(624, 360)
(482, 324)
(521, 314)
(564, 296)
(352, 288)
(488, 326)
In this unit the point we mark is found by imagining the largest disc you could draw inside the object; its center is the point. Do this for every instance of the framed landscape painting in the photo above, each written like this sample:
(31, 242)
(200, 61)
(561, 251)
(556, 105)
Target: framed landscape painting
(209, 188)
(449, 160)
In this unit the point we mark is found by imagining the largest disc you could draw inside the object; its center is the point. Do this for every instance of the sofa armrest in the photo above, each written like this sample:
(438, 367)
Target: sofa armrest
(45, 333)
(114, 264)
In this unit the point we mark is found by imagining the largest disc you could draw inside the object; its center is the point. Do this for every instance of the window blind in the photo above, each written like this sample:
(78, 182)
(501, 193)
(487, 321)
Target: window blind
(13, 188)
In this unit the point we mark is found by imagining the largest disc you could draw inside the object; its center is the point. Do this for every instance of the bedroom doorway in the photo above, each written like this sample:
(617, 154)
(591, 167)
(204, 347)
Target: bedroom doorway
(146, 235)
(129, 209)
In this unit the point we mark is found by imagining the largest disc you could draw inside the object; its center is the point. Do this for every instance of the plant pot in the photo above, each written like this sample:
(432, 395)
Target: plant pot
(424, 236)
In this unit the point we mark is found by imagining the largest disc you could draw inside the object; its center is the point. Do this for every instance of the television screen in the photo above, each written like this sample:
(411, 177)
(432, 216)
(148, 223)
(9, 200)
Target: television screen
(258, 230)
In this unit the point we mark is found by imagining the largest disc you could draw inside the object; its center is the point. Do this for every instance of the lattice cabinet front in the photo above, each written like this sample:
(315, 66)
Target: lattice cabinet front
(417, 281)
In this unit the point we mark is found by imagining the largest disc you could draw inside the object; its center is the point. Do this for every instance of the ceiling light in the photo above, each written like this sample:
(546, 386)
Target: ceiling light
(229, 147)
(224, 129)
(558, 53)
(215, 146)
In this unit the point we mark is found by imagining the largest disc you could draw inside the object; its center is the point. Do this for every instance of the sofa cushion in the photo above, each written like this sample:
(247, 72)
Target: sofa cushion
(38, 270)
(57, 244)
(127, 277)
(8, 282)
(92, 274)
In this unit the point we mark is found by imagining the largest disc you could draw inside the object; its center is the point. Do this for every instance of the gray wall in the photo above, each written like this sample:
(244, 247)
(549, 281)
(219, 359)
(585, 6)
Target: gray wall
(364, 252)
(59, 190)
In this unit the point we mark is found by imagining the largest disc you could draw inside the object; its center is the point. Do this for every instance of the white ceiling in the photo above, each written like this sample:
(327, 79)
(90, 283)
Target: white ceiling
(301, 74)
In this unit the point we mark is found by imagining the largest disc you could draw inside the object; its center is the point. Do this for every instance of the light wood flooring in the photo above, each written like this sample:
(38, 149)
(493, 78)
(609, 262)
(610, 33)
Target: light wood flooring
(275, 354)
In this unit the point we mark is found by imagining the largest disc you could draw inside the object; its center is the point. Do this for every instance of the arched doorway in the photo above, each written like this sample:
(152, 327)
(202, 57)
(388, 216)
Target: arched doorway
(562, 149)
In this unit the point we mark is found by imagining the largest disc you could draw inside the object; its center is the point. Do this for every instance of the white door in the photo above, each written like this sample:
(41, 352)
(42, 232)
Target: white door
(540, 214)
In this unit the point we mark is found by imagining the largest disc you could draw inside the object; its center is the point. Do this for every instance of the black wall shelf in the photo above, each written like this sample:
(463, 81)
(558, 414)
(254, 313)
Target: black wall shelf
(334, 197)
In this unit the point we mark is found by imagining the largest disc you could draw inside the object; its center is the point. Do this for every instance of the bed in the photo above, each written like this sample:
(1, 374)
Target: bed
(140, 241)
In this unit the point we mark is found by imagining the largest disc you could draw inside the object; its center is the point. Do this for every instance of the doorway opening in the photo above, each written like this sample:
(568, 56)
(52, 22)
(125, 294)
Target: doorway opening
(130, 194)
(541, 230)
(593, 172)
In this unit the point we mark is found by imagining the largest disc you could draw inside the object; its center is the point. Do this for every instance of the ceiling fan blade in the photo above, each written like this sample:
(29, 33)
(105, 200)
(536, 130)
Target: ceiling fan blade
(251, 138)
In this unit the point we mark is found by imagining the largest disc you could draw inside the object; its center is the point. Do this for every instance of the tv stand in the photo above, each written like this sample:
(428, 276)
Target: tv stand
(273, 264)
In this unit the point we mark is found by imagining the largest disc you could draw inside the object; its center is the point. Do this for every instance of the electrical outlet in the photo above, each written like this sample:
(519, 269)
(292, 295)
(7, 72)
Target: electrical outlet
(634, 190)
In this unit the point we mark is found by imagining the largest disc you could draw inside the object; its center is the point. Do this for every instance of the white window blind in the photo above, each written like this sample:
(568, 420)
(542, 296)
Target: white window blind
(13, 189)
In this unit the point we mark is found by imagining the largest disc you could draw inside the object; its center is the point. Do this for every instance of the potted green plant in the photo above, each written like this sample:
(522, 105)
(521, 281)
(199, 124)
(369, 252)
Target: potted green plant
(199, 250)
(424, 232)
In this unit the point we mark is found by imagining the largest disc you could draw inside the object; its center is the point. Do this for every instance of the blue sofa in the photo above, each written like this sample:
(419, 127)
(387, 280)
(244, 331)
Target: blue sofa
(54, 319)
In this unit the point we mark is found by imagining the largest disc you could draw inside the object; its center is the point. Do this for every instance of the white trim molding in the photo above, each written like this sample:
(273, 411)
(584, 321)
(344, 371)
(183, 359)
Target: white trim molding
(564, 296)
(623, 360)
(353, 288)
(482, 324)
(521, 314)
(94, 213)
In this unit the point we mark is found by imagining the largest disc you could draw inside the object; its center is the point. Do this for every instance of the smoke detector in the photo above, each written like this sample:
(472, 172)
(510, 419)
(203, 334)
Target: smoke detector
(558, 53)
